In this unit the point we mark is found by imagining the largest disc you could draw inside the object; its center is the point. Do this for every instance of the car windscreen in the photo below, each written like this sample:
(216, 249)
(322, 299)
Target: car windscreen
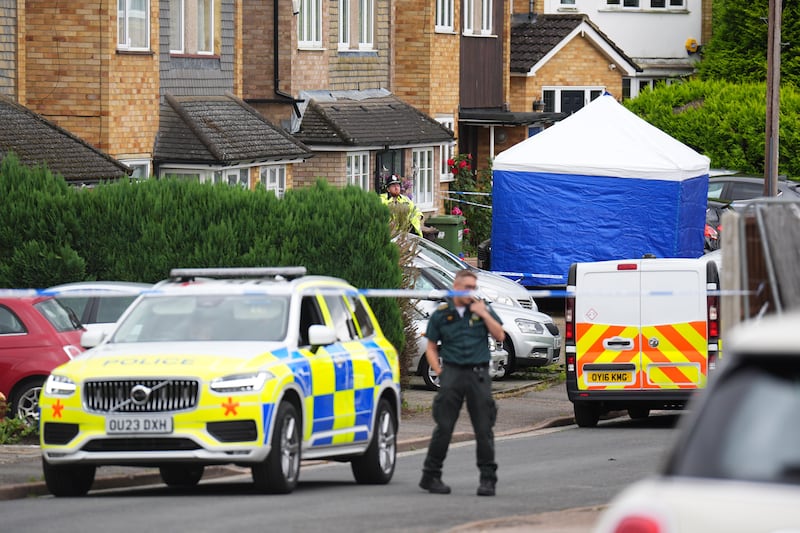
(57, 315)
(749, 428)
(440, 257)
(170, 318)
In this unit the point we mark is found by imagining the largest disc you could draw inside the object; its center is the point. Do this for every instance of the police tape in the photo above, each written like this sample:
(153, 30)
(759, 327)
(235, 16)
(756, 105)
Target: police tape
(431, 294)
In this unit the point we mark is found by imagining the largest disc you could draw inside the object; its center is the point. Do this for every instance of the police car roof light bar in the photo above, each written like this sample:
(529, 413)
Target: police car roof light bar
(189, 274)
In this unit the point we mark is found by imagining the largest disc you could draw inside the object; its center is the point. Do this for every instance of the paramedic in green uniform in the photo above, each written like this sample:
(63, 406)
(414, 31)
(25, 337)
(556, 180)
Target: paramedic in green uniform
(462, 325)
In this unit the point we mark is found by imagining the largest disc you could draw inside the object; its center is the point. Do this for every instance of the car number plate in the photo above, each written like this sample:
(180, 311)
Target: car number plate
(609, 376)
(119, 425)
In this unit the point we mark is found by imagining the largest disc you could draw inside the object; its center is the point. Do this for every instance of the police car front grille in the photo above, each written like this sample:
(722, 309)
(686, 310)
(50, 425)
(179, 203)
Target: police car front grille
(526, 303)
(118, 396)
(139, 445)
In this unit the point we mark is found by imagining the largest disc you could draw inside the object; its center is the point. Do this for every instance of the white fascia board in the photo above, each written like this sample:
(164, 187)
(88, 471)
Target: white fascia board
(584, 29)
(378, 147)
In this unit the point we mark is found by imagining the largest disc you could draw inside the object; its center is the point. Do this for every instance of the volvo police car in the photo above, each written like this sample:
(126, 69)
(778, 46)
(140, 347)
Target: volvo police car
(255, 367)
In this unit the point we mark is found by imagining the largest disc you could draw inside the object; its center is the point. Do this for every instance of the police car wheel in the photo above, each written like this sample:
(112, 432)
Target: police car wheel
(430, 377)
(376, 466)
(279, 472)
(68, 480)
(181, 475)
(586, 415)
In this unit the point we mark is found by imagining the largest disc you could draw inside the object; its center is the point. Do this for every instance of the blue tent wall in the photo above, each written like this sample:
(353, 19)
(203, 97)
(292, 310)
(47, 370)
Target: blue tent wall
(543, 222)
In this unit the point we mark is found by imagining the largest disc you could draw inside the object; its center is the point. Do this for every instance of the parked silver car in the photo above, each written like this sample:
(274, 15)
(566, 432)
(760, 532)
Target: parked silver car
(98, 304)
(495, 288)
(532, 338)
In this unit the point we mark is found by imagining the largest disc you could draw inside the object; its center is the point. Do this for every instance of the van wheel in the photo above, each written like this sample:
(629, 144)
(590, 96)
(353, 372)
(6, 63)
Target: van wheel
(430, 377)
(181, 475)
(376, 466)
(279, 472)
(586, 415)
(638, 413)
(68, 480)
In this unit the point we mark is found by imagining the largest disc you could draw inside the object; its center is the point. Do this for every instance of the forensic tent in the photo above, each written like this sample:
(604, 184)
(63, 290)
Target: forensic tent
(601, 184)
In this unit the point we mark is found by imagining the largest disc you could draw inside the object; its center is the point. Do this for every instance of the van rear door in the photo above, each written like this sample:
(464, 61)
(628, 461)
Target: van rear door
(607, 318)
(674, 329)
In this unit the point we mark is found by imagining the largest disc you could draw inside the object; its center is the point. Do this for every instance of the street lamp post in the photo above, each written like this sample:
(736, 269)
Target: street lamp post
(773, 98)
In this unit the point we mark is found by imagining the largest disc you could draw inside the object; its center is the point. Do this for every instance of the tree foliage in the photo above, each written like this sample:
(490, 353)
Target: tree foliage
(724, 121)
(738, 48)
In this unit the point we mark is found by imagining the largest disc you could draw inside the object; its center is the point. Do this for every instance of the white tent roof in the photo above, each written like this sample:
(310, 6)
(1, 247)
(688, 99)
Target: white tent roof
(604, 139)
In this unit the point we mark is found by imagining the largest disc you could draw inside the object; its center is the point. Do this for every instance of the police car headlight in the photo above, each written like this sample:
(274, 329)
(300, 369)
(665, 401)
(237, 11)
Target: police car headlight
(240, 383)
(529, 326)
(506, 300)
(59, 386)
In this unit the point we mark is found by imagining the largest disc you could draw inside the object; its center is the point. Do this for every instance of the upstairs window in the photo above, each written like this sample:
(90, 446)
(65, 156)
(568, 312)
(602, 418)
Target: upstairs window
(133, 24)
(478, 17)
(444, 15)
(366, 15)
(309, 24)
(191, 27)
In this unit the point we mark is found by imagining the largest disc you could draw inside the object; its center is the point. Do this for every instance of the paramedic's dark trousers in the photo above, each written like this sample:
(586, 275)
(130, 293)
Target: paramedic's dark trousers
(458, 383)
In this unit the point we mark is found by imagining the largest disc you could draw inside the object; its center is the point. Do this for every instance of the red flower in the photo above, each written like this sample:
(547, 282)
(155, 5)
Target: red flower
(462, 164)
(450, 162)
(466, 231)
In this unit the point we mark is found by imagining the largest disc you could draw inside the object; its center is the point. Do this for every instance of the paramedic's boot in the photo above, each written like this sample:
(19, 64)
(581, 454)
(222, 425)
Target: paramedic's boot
(434, 485)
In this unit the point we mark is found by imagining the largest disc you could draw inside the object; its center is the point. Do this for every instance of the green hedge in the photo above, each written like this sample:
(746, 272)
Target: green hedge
(724, 121)
(51, 233)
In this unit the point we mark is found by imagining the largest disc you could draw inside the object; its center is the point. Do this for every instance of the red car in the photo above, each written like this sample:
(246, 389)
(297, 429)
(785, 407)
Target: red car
(37, 334)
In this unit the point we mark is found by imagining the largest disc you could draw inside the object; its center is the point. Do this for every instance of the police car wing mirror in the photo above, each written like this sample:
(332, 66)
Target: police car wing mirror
(319, 335)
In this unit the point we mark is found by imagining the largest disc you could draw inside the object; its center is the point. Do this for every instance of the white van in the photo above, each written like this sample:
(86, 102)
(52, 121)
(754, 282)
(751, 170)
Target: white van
(640, 334)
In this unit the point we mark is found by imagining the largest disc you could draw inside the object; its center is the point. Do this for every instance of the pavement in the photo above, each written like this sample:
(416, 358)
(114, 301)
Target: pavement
(524, 404)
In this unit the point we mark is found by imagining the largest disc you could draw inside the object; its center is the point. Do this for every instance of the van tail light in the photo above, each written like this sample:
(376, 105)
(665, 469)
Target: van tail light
(569, 319)
(712, 309)
(638, 524)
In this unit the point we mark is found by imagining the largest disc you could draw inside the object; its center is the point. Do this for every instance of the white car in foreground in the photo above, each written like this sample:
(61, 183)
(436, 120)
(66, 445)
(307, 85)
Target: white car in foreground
(735, 467)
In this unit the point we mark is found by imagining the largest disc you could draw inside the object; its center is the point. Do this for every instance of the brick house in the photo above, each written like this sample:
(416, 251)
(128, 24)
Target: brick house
(326, 75)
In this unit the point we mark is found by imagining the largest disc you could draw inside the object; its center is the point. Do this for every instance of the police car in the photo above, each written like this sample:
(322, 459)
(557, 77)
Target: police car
(256, 367)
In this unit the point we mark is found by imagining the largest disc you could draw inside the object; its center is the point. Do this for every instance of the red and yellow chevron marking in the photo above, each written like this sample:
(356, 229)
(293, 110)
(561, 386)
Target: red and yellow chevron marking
(678, 361)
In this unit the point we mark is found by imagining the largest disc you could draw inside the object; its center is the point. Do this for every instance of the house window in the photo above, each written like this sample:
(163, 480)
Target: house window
(675, 3)
(309, 24)
(567, 2)
(445, 151)
(133, 24)
(140, 167)
(422, 165)
(344, 24)
(273, 178)
(387, 163)
(232, 177)
(626, 88)
(630, 3)
(444, 15)
(478, 14)
(658, 4)
(366, 17)
(569, 99)
(469, 16)
(191, 27)
(358, 170)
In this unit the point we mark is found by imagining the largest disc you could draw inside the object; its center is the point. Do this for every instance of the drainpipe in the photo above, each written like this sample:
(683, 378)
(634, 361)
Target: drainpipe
(276, 80)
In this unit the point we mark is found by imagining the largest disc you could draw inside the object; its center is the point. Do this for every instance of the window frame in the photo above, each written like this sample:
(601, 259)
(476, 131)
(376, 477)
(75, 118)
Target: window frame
(551, 94)
(445, 10)
(273, 178)
(422, 163)
(480, 12)
(446, 151)
(135, 164)
(357, 169)
(344, 25)
(366, 26)
(123, 26)
(309, 24)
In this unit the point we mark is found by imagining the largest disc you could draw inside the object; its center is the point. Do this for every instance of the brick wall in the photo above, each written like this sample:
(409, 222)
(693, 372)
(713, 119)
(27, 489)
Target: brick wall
(75, 77)
(327, 165)
(8, 48)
